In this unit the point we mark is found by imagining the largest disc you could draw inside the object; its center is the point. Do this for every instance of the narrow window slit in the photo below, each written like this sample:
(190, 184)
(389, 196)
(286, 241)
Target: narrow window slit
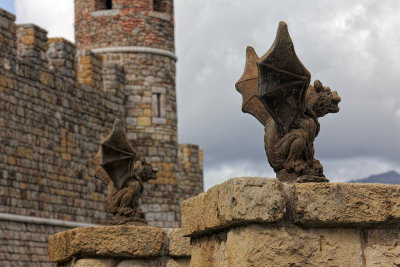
(158, 105)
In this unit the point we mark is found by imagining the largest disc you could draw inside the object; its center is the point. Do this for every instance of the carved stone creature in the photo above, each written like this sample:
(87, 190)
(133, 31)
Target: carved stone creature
(276, 90)
(118, 165)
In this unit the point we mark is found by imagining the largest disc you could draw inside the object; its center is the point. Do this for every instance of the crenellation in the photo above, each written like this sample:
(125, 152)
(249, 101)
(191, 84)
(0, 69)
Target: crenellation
(32, 42)
(89, 69)
(61, 57)
(190, 162)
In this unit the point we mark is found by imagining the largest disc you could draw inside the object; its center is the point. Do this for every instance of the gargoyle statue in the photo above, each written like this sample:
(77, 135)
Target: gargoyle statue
(276, 90)
(124, 172)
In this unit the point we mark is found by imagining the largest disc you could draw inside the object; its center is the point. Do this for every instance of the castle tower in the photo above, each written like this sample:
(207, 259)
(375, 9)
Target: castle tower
(139, 36)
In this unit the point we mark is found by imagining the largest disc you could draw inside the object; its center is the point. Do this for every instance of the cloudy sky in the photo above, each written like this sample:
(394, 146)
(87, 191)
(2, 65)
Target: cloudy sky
(351, 46)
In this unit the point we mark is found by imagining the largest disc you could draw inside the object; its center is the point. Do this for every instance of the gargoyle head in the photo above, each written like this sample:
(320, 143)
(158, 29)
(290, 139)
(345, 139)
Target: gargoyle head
(145, 170)
(321, 100)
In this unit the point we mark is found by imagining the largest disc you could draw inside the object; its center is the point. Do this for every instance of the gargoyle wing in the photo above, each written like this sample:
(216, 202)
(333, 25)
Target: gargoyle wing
(115, 158)
(283, 81)
(247, 86)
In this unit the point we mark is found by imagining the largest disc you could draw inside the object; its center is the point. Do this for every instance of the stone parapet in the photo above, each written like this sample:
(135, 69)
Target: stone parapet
(263, 222)
(235, 202)
(120, 246)
(323, 204)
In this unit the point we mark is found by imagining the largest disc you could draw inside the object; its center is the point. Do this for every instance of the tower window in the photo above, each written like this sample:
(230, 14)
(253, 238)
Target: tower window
(103, 4)
(108, 4)
(159, 5)
(158, 105)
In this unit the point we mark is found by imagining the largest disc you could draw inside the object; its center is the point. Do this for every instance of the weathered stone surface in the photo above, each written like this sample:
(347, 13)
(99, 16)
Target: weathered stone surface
(292, 246)
(346, 204)
(179, 245)
(93, 263)
(178, 262)
(237, 201)
(116, 241)
(382, 247)
(140, 263)
(209, 251)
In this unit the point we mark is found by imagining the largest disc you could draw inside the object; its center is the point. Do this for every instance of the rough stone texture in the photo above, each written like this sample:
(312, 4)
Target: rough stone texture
(57, 100)
(179, 245)
(178, 262)
(237, 201)
(120, 246)
(346, 204)
(209, 251)
(346, 225)
(257, 245)
(116, 241)
(381, 247)
(260, 246)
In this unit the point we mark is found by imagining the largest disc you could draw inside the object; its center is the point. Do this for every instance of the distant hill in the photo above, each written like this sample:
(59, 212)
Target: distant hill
(391, 177)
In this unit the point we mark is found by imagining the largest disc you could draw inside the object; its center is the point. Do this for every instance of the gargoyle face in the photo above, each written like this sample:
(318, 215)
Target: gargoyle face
(322, 100)
(147, 172)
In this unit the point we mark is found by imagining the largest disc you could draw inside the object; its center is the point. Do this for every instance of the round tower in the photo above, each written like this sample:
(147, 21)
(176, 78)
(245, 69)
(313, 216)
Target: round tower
(139, 36)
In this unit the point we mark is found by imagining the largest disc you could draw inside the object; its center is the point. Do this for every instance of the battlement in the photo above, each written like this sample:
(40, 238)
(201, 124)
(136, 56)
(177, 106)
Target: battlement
(29, 45)
(61, 56)
(190, 162)
(58, 99)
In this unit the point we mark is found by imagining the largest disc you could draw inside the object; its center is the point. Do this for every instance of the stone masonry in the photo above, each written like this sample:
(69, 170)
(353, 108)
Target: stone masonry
(58, 99)
(264, 222)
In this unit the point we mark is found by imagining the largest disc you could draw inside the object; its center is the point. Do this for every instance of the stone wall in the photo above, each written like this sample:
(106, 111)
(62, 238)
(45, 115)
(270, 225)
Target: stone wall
(50, 126)
(55, 104)
(263, 222)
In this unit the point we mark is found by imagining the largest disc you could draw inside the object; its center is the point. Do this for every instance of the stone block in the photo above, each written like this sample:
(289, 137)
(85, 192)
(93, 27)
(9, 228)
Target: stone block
(235, 202)
(258, 245)
(144, 121)
(326, 204)
(381, 247)
(179, 245)
(139, 263)
(209, 251)
(178, 262)
(107, 241)
(93, 263)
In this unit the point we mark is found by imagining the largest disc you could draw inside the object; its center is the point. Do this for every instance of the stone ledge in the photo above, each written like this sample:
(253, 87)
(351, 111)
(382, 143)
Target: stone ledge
(325, 204)
(237, 201)
(243, 201)
(107, 241)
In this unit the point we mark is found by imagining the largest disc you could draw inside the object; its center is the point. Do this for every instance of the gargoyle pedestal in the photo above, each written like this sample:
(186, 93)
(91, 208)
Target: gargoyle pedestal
(276, 90)
(118, 165)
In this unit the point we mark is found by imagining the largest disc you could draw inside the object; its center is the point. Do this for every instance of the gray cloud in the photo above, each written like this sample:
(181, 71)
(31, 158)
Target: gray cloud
(351, 46)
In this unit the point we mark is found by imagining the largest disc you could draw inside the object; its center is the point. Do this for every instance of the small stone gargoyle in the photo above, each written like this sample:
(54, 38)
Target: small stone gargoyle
(124, 172)
(276, 90)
